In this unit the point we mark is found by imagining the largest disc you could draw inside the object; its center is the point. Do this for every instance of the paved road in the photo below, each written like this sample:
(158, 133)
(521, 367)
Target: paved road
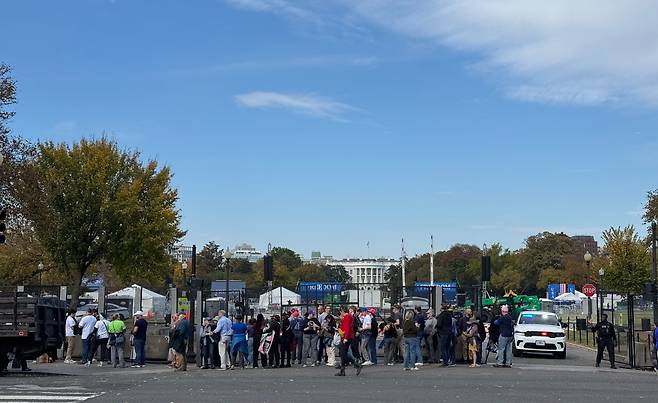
(532, 379)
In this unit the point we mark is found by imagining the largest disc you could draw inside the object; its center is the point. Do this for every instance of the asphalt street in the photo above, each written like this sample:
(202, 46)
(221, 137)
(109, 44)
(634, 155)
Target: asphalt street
(532, 379)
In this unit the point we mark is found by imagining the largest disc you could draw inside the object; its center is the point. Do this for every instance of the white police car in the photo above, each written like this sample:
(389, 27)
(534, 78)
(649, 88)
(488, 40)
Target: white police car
(539, 332)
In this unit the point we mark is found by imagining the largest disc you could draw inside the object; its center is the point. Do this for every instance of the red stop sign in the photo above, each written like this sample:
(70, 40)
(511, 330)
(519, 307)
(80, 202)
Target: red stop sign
(589, 290)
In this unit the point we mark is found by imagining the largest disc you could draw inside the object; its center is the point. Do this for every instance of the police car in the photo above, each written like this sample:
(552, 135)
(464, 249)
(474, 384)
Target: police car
(539, 332)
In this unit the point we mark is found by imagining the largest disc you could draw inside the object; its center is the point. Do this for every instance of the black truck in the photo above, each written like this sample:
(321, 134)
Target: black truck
(31, 323)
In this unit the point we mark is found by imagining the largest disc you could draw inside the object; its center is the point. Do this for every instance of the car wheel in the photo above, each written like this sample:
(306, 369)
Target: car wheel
(561, 355)
(515, 351)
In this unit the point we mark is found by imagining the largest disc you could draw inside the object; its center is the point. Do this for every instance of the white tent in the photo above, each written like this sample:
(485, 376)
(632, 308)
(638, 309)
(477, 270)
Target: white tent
(278, 294)
(568, 297)
(151, 301)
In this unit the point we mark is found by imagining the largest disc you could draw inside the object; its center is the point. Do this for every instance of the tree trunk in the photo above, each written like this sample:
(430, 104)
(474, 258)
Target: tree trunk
(75, 289)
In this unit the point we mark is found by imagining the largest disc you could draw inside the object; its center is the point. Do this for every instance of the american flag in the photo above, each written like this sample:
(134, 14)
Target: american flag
(563, 289)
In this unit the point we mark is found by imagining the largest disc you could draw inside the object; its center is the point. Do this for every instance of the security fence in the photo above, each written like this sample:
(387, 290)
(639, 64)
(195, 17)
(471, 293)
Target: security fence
(631, 316)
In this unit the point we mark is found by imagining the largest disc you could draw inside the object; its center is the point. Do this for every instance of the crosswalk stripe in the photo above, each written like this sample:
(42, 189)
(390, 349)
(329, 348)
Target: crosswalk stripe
(48, 398)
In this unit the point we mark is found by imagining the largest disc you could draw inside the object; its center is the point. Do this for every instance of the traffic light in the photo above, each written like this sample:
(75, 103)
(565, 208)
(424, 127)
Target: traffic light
(3, 226)
(268, 263)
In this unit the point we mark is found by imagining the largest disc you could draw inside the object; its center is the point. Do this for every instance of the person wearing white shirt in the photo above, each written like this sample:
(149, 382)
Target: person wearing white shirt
(87, 324)
(69, 332)
(102, 337)
(366, 322)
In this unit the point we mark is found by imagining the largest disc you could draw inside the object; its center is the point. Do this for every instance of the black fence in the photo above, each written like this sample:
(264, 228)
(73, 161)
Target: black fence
(631, 316)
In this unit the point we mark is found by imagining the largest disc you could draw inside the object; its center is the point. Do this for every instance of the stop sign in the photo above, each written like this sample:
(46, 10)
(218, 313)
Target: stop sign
(589, 290)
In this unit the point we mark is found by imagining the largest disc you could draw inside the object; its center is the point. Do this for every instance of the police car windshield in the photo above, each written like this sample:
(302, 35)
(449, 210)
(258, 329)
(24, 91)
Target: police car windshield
(538, 319)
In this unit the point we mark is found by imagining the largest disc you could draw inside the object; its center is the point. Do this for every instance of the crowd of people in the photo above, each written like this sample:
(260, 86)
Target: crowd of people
(321, 336)
(348, 337)
(108, 337)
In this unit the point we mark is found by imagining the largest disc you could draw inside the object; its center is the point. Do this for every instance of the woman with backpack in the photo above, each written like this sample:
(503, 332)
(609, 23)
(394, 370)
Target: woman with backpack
(101, 339)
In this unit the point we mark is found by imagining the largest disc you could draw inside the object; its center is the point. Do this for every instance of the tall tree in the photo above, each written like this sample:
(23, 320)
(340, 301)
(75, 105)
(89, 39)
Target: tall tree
(287, 257)
(337, 274)
(542, 252)
(311, 272)
(98, 203)
(7, 96)
(209, 261)
(630, 263)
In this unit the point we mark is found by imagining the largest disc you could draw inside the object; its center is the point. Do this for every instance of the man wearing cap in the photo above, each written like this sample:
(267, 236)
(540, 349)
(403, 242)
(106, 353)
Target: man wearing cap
(506, 326)
(139, 339)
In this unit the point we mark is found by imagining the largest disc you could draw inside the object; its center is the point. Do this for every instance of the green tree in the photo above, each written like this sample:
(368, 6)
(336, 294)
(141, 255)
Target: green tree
(209, 261)
(7, 96)
(544, 251)
(630, 262)
(97, 203)
(393, 277)
(311, 272)
(337, 274)
(508, 278)
(287, 257)
(283, 277)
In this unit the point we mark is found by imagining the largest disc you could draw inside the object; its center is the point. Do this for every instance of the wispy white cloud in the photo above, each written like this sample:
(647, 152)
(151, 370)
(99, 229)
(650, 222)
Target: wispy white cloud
(587, 52)
(276, 64)
(307, 104)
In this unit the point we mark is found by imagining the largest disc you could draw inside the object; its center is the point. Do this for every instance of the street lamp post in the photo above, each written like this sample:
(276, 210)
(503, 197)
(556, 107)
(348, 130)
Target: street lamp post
(654, 295)
(227, 256)
(184, 268)
(600, 293)
(40, 268)
(588, 261)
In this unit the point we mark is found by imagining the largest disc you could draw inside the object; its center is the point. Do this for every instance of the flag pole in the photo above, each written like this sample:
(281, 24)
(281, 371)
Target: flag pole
(431, 260)
(402, 258)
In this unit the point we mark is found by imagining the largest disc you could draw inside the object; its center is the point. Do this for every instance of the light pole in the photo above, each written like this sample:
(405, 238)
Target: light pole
(654, 288)
(184, 268)
(600, 293)
(227, 256)
(588, 261)
(40, 268)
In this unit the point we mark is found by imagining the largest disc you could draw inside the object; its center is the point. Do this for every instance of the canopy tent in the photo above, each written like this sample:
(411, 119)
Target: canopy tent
(152, 302)
(568, 297)
(278, 294)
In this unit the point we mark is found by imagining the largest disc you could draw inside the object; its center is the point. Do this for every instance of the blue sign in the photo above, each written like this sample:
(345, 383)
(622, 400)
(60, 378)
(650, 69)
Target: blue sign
(449, 290)
(314, 291)
(555, 290)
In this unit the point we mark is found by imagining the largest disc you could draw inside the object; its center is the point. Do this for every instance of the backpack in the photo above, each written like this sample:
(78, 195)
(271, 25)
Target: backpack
(77, 330)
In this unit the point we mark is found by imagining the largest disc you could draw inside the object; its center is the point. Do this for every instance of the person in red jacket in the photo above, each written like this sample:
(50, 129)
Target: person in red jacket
(346, 331)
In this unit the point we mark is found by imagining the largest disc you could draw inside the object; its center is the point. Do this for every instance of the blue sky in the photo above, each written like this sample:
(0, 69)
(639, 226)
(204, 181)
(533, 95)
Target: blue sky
(325, 125)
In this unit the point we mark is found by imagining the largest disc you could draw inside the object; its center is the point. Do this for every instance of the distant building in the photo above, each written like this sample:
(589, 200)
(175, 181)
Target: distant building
(587, 242)
(365, 271)
(181, 253)
(246, 252)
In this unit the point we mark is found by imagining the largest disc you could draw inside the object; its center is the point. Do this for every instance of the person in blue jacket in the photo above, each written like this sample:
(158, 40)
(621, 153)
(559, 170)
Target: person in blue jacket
(506, 327)
(239, 341)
